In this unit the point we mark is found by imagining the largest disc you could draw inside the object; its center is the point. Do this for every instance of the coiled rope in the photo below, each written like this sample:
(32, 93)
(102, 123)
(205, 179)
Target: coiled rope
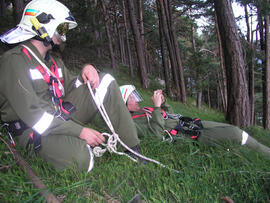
(113, 138)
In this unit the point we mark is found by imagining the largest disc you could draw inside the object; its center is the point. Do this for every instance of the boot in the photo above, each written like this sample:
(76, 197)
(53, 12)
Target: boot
(136, 149)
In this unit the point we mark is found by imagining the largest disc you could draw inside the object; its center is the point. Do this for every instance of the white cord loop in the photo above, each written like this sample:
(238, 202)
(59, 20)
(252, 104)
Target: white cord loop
(111, 145)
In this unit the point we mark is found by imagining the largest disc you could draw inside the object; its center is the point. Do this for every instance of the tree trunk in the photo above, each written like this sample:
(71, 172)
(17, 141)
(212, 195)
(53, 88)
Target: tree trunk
(138, 44)
(223, 87)
(165, 60)
(141, 26)
(164, 19)
(180, 66)
(18, 9)
(238, 111)
(131, 71)
(120, 40)
(208, 96)
(266, 96)
(3, 8)
(221, 90)
(176, 51)
(109, 36)
(250, 63)
(247, 23)
(199, 100)
(261, 27)
(198, 88)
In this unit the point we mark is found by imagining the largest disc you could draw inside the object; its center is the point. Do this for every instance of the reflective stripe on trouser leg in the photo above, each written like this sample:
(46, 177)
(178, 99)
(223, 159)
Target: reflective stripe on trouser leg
(244, 138)
(80, 97)
(102, 89)
(91, 159)
(120, 116)
(114, 105)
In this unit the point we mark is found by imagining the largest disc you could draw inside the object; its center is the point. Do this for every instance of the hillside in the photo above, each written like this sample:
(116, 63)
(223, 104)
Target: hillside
(206, 174)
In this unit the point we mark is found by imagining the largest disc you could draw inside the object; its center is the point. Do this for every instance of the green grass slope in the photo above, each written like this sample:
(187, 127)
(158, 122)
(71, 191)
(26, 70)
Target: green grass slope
(206, 174)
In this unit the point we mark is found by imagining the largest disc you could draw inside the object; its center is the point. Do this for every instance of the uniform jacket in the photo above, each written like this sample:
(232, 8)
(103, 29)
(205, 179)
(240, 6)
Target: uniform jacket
(156, 124)
(211, 132)
(24, 93)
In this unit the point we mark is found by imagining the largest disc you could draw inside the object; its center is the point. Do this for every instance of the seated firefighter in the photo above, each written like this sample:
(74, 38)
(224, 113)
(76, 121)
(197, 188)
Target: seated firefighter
(45, 106)
(161, 121)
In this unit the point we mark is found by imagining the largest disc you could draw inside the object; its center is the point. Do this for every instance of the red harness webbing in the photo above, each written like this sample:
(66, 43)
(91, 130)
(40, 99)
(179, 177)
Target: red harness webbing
(149, 110)
(47, 78)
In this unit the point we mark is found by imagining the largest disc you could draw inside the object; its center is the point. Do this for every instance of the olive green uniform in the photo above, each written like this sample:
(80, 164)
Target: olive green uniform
(212, 133)
(26, 98)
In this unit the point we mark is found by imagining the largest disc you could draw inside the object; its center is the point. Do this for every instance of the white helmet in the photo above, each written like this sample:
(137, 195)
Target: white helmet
(127, 90)
(50, 14)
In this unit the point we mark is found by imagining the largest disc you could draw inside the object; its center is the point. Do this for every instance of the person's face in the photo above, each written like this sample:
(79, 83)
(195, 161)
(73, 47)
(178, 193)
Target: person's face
(132, 103)
(56, 39)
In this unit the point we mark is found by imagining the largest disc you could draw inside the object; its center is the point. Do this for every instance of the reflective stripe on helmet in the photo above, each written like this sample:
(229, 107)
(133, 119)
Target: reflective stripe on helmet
(126, 90)
(50, 14)
(31, 12)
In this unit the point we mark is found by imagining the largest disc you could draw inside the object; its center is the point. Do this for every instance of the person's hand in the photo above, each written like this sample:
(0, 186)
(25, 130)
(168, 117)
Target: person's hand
(89, 73)
(91, 136)
(158, 98)
(162, 97)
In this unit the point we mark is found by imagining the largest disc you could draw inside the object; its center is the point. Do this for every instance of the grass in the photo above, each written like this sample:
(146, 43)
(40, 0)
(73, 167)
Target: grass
(206, 174)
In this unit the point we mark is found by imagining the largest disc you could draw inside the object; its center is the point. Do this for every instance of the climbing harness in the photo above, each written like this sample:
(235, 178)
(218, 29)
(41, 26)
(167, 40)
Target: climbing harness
(114, 138)
(55, 86)
(186, 125)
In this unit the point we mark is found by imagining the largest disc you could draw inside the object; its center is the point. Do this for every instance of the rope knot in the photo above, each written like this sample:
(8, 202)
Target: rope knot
(111, 145)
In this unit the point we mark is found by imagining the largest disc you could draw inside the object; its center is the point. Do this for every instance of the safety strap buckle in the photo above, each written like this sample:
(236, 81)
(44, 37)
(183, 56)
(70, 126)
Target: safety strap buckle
(34, 138)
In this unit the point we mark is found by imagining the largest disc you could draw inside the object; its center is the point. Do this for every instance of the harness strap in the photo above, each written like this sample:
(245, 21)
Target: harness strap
(34, 138)
(188, 126)
(51, 77)
(147, 111)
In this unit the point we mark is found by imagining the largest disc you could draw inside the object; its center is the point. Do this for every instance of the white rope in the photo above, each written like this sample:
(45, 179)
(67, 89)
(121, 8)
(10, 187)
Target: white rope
(170, 139)
(149, 116)
(111, 145)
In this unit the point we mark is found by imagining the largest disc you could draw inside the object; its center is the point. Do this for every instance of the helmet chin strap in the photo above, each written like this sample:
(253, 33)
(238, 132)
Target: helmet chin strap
(45, 41)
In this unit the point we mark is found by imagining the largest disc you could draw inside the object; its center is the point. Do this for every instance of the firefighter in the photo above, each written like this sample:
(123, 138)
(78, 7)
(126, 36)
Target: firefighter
(161, 121)
(45, 106)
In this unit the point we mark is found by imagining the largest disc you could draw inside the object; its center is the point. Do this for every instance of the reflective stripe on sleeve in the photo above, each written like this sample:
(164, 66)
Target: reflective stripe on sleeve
(35, 74)
(103, 87)
(60, 73)
(244, 138)
(43, 123)
(78, 83)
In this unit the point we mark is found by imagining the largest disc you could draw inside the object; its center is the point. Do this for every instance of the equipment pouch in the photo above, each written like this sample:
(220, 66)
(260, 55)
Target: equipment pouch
(69, 107)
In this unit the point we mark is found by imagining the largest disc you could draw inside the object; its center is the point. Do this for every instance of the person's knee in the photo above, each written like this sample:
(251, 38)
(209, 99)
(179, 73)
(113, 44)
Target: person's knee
(82, 159)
